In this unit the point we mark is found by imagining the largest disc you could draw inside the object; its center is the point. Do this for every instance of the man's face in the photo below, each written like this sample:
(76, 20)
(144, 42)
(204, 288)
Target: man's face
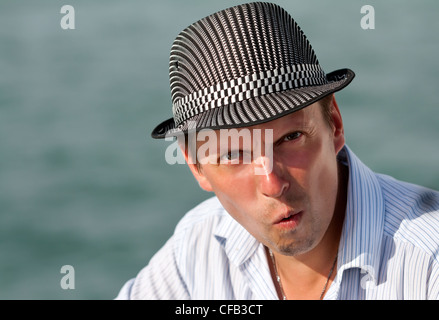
(290, 207)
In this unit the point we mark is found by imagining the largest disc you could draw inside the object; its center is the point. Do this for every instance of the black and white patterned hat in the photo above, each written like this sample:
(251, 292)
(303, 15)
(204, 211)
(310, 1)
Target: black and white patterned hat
(243, 66)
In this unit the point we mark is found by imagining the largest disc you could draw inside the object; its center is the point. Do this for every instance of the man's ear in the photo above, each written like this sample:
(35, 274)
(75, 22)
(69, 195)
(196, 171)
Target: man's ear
(196, 170)
(339, 139)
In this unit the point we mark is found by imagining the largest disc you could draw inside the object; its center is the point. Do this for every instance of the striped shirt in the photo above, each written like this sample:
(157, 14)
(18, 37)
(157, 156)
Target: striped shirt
(389, 249)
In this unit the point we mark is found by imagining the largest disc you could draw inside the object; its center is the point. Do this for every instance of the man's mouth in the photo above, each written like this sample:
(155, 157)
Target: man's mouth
(289, 220)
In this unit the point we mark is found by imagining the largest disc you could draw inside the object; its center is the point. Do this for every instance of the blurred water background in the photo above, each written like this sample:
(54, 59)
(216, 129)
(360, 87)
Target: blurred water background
(81, 181)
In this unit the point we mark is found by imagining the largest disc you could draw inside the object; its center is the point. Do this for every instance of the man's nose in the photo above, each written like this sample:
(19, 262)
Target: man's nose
(273, 183)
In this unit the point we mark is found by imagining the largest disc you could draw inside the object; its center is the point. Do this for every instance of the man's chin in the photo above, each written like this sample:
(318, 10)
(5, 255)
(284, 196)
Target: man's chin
(295, 248)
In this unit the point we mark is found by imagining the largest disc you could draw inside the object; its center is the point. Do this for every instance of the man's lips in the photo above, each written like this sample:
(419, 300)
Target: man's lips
(285, 216)
(289, 220)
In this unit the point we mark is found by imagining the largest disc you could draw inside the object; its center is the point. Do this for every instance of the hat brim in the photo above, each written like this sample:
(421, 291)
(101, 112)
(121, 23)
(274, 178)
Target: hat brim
(258, 109)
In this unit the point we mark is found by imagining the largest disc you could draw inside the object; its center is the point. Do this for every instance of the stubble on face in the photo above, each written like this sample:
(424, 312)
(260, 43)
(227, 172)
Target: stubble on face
(299, 240)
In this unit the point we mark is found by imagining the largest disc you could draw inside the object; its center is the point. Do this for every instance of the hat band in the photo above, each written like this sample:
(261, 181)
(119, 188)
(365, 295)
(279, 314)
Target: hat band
(249, 86)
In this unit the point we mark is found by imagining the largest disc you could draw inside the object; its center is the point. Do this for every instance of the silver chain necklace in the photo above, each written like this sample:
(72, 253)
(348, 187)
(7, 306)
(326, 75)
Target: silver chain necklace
(279, 282)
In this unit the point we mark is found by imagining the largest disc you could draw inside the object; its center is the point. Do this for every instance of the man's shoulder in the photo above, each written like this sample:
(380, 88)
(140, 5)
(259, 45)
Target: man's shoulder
(411, 199)
(412, 213)
(208, 213)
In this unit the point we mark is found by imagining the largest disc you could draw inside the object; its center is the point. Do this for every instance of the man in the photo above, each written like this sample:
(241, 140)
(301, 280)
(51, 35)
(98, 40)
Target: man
(296, 215)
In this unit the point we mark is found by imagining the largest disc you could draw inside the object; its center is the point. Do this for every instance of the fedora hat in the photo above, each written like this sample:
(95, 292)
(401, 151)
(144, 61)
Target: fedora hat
(243, 66)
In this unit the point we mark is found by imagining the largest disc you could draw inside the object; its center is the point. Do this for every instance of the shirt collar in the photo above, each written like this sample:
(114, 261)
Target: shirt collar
(363, 227)
(238, 243)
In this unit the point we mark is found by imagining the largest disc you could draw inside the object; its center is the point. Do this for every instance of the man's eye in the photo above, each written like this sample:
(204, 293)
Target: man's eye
(236, 157)
(231, 156)
(292, 136)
